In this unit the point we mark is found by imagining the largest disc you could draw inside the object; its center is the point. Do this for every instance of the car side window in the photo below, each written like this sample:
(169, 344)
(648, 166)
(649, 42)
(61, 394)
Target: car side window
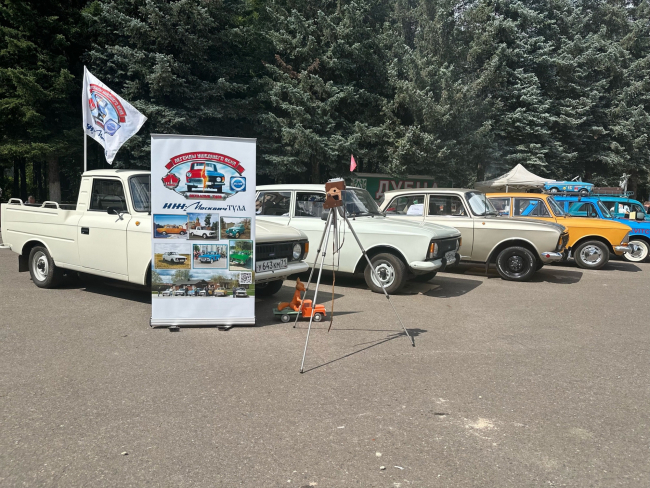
(502, 205)
(309, 204)
(273, 203)
(446, 206)
(406, 205)
(107, 193)
(530, 207)
(583, 209)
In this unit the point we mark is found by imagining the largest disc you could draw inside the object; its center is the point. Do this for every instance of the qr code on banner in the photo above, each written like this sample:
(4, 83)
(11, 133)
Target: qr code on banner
(245, 278)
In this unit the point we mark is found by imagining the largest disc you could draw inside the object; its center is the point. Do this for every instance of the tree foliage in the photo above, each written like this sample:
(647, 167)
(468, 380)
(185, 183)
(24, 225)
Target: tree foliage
(456, 89)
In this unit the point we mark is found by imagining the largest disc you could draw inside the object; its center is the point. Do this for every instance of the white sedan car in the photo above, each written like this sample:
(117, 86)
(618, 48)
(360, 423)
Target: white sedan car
(174, 257)
(205, 233)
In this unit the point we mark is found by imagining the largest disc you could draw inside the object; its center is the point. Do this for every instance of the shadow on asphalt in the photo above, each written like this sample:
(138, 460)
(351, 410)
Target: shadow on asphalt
(369, 345)
(559, 276)
(111, 288)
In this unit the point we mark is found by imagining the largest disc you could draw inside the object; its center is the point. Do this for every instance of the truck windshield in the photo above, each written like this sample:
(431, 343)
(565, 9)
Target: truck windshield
(480, 204)
(140, 187)
(557, 210)
(359, 202)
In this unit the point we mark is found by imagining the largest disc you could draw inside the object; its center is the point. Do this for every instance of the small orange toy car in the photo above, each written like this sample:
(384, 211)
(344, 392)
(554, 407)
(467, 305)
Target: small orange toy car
(286, 314)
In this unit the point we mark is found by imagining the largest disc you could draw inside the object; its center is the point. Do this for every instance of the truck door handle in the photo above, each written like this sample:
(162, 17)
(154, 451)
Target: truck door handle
(85, 230)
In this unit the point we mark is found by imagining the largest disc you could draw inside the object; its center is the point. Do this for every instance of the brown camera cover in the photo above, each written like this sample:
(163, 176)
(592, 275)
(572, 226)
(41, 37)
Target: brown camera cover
(334, 198)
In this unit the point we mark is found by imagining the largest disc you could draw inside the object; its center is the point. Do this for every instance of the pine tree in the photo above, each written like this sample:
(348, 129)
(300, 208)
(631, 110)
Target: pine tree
(40, 111)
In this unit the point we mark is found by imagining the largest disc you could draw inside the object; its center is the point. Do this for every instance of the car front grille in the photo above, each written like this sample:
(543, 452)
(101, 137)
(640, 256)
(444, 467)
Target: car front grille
(274, 251)
(446, 245)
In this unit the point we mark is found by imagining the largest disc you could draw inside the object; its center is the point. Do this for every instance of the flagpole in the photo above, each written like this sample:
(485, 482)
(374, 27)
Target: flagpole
(85, 152)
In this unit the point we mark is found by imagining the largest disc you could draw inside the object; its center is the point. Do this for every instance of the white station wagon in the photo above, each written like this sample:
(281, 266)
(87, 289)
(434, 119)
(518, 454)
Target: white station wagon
(398, 249)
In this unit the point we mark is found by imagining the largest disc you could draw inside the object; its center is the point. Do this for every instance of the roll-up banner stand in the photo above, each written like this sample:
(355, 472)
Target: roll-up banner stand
(203, 241)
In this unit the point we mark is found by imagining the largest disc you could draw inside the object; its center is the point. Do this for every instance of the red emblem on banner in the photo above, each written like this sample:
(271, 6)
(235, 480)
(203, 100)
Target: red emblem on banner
(171, 181)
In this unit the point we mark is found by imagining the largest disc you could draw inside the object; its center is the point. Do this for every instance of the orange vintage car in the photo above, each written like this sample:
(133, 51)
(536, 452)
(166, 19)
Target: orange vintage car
(171, 229)
(590, 240)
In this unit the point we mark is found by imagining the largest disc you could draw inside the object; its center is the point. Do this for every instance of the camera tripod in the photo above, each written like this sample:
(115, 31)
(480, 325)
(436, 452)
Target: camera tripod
(332, 223)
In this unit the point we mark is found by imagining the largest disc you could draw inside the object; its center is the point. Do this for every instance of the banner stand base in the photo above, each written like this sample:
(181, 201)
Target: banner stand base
(222, 324)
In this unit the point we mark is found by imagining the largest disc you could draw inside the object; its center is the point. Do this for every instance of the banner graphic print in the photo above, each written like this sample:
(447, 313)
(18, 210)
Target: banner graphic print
(203, 241)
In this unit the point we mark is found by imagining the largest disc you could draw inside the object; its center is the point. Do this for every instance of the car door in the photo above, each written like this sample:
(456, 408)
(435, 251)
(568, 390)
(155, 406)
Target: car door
(450, 210)
(274, 206)
(307, 217)
(101, 236)
(532, 207)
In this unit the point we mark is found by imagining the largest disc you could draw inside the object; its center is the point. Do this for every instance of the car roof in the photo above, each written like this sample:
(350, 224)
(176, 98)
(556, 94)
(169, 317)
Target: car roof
(431, 190)
(297, 187)
(517, 194)
(115, 172)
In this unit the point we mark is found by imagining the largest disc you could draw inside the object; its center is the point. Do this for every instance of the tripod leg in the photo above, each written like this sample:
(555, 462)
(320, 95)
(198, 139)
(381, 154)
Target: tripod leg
(374, 273)
(313, 268)
(311, 319)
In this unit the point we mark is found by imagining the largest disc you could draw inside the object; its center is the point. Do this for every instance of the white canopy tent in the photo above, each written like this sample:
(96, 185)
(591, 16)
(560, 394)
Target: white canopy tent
(518, 178)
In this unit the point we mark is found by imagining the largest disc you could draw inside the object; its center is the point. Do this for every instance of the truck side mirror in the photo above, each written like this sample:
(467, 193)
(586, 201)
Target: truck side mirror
(111, 211)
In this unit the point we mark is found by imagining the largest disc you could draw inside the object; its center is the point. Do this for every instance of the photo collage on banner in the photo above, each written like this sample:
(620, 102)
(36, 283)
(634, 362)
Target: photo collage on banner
(203, 242)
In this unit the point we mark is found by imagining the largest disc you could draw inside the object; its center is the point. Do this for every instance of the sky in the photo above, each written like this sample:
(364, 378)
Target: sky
(180, 248)
(170, 219)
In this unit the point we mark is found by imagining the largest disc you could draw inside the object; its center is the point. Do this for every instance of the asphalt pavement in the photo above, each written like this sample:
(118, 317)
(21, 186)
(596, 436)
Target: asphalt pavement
(540, 384)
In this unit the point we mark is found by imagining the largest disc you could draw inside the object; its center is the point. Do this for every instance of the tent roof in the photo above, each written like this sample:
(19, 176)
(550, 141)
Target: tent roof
(518, 178)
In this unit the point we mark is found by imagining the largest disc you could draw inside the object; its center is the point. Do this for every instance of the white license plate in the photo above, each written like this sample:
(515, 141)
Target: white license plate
(450, 257)
(271, 265)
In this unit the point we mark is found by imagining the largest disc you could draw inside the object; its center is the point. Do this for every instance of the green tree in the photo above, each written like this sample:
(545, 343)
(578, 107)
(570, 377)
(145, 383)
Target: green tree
(40, 114)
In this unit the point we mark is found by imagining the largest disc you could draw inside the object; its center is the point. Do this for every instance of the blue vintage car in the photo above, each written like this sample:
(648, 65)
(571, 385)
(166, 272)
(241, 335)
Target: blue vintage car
(594, 207)
(620, 207)
(575, 186)
(209, 257)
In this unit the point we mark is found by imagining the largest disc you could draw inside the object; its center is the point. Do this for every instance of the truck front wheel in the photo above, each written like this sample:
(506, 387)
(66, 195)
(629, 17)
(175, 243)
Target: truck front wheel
(391, 272)
(44, 273)
(269, 288)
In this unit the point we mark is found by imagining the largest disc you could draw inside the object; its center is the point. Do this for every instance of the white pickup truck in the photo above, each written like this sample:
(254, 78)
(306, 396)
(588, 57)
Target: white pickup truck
(108, 233)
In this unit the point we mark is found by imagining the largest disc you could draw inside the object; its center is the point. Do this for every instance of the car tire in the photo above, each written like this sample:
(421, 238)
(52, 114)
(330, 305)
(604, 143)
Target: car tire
(392, 268)
(44, 273)
(425, 278)
(318, 317)
(237, 235)
(584, 192)
(205, 236)
(639, 256)
(163, 233)
(269, 288)
(182, 233)
(591, 255)
(516, 263)
(285, 318)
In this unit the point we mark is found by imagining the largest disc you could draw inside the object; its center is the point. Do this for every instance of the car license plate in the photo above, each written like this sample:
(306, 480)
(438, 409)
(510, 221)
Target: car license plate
(272, 265)
(450, 257)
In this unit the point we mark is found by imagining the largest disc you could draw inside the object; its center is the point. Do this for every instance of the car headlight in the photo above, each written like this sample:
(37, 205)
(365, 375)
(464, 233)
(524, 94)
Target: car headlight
(219, 178)
(188, 174)
(433, 250)
(297, 251)
(626, 239)
(459, 243)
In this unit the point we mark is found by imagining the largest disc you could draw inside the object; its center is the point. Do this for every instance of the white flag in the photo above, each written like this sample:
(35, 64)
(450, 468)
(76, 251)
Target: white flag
(108, 118)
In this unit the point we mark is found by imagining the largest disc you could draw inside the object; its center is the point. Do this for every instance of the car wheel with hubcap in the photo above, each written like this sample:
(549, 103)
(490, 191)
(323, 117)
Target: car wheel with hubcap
(205, 236)
(44, 273)
(391, 271)
(641, 254)
(285, 318)
(426, 277)
(516, 264)
(591, 255)
(554, 190)
(318, 317)
(237, 235)
(269, 288)
(584, 191)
